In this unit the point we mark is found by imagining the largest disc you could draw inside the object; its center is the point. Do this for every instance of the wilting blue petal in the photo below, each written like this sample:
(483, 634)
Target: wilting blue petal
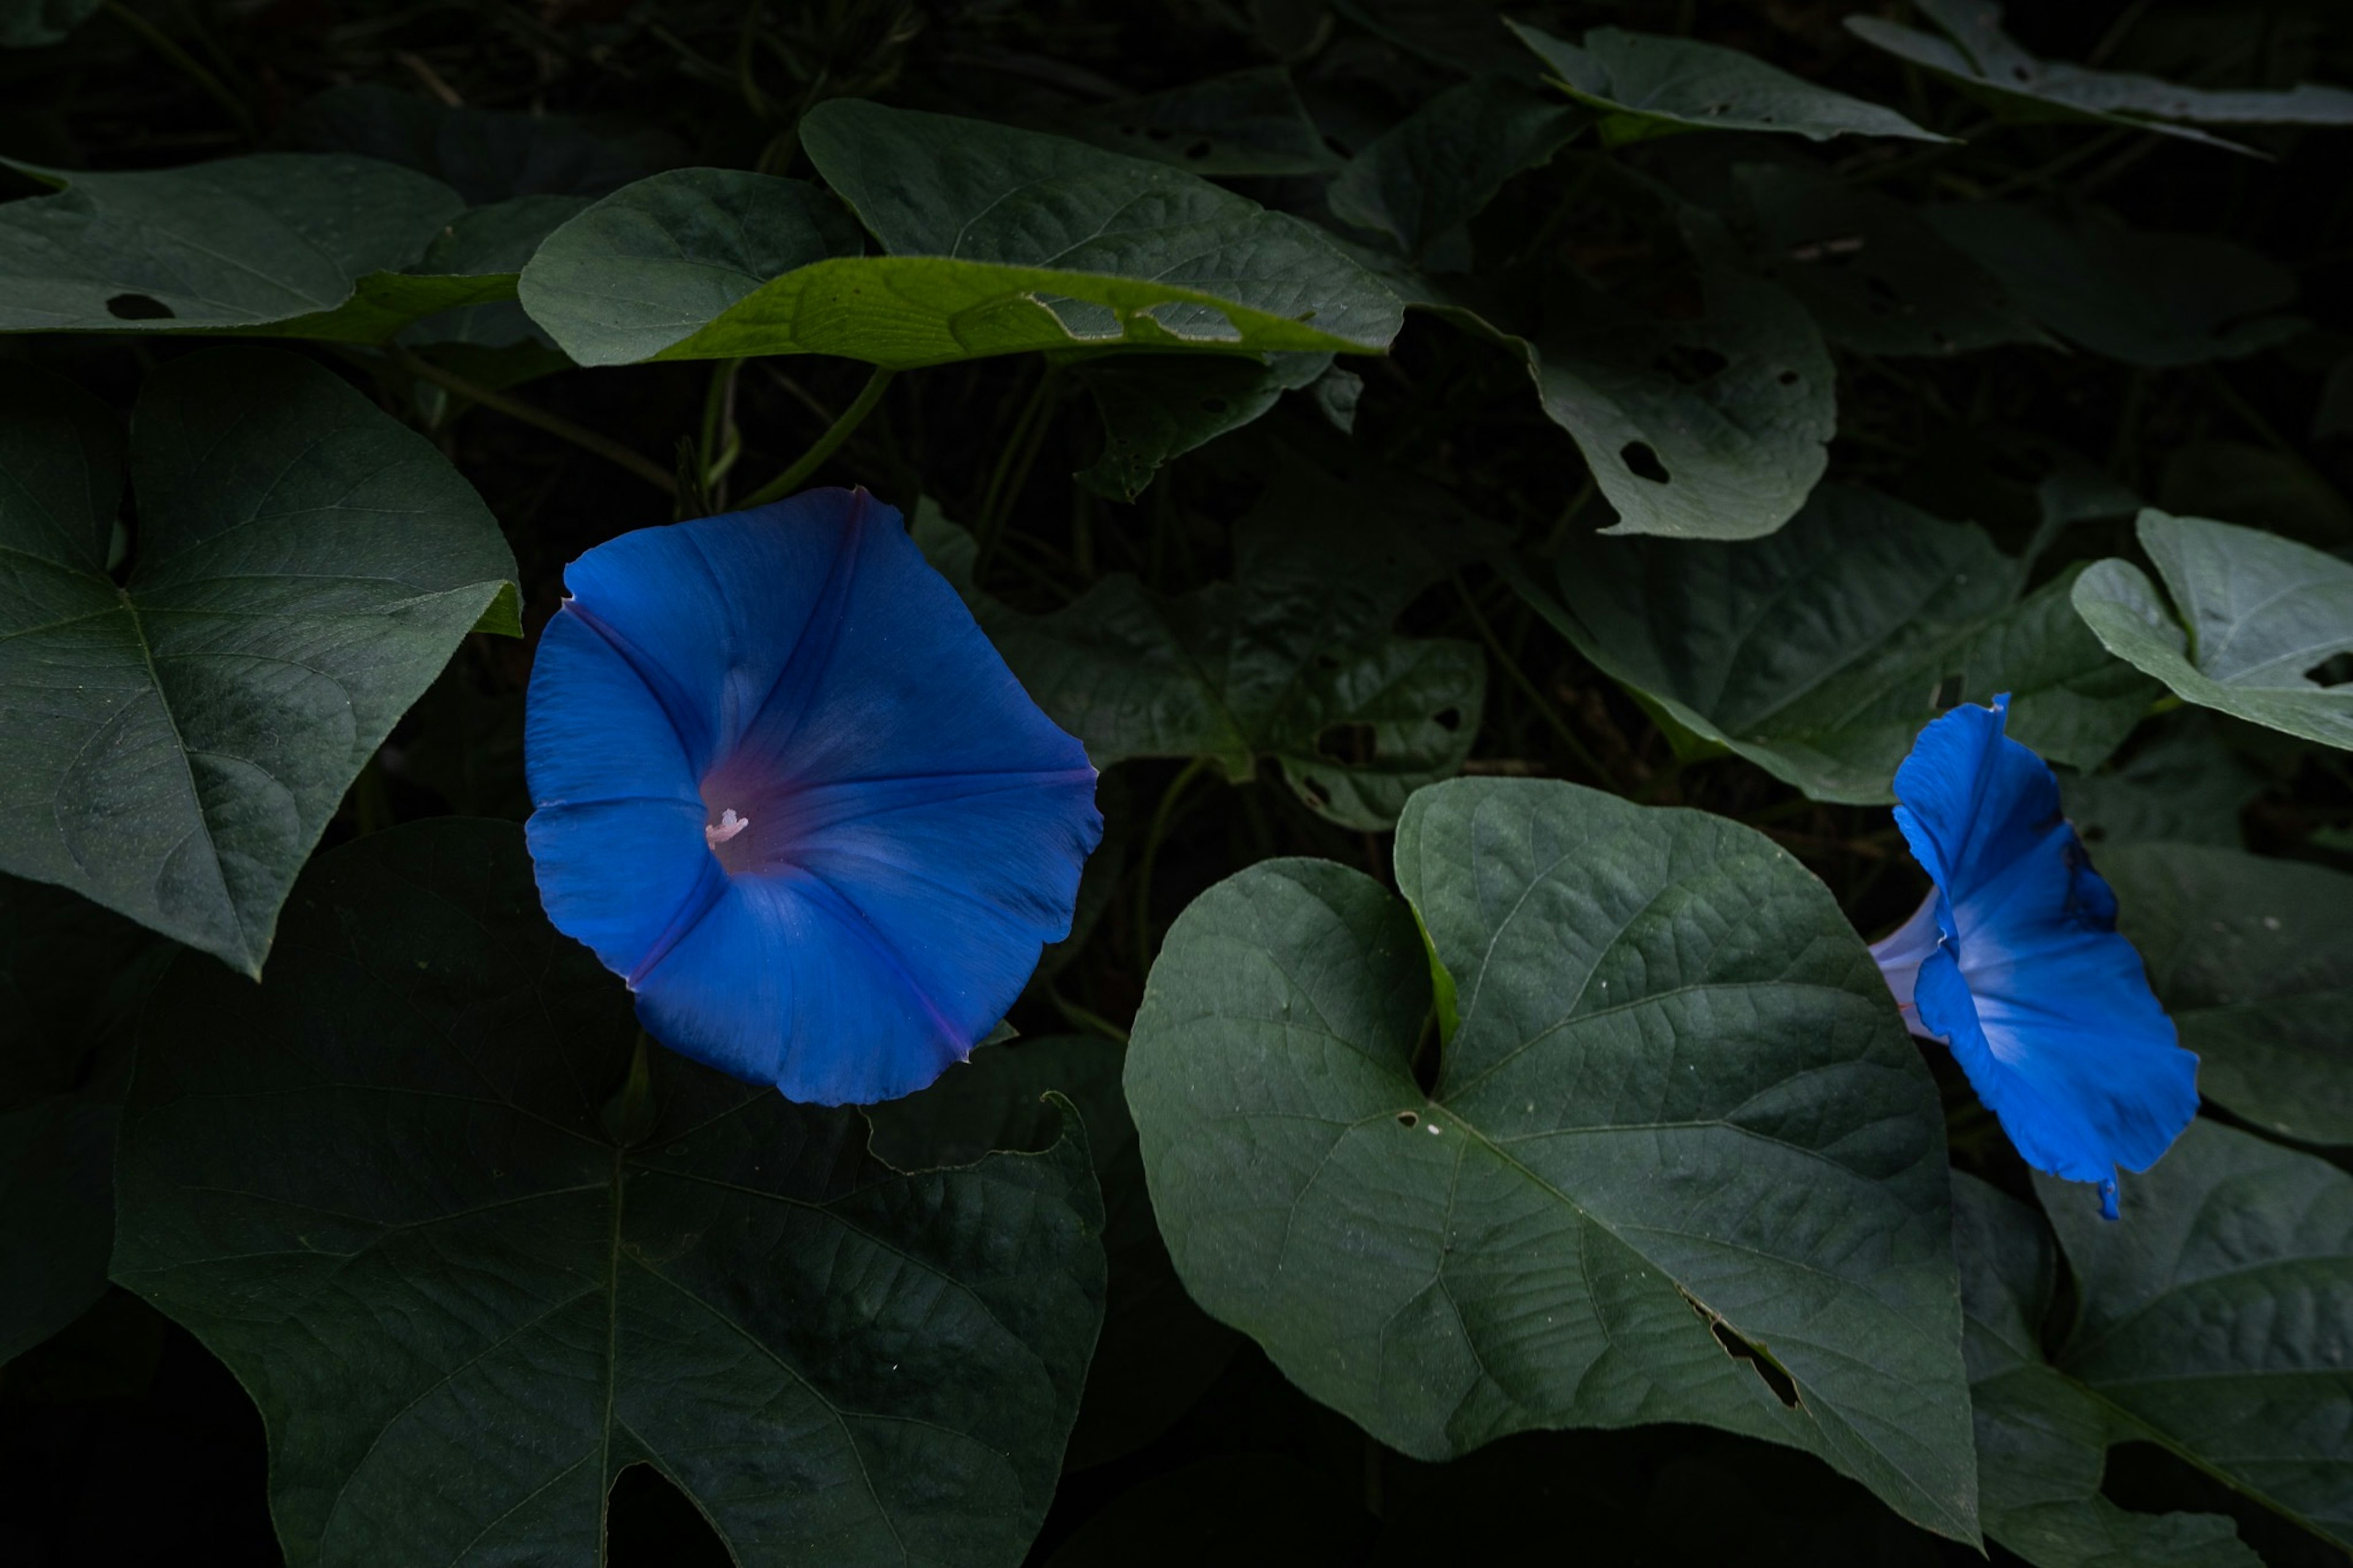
(2014, 961)
(787, 788)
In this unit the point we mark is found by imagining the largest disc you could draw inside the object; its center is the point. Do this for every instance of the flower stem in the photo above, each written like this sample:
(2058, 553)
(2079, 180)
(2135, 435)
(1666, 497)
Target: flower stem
(555, 425)
(825, 446)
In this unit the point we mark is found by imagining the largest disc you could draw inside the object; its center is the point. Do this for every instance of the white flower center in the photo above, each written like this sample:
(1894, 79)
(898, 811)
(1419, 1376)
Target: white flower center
(728, 826)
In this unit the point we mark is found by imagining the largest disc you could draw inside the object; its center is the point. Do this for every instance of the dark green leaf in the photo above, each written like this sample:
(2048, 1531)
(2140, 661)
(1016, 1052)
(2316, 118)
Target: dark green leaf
(1982, 59)
(2254, 960)
(486, 155)
(1441, 165)
(278, 245)
(2215, 1316)
(1156, 407)
(1247, 122)
(1644, 85)
(2183, 786)
(1295, 661)
(1159, 1353)
(301, 569)
(1875, 273)
(73, 977)
(30, 24)
(2042, 1439)
(380, 1188)
(491, 241)
(1680, 1162)
(1819, 652)
(2254, 620)
(2144, 298)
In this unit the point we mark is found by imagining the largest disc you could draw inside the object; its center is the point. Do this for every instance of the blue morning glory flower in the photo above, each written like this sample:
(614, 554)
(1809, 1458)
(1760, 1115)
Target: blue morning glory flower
(787, 789)
(2014, 961)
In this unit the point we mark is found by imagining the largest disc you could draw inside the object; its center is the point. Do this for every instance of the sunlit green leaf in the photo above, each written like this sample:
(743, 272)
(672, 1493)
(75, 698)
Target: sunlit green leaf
(1645, 84)
(384, 1188)
(1819, 652)
(2253, 958)
(1679, 1162)
(301, 569)
(2255, 621)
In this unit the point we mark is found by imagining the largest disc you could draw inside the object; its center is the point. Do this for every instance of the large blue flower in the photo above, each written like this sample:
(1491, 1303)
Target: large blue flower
(2014, 961)
(787, 789)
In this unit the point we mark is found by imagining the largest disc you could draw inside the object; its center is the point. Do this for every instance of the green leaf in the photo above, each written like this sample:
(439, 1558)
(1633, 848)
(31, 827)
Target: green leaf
(2184, 786)
(1156, 407)
(495, 241)
(1295, 661)
(1437, 169)
(2253, 958)
(2141, 297)
(2042, 1439)
(1712, 428)
(1158, 1352)
(1245, 122)
(1876, 275)
(31, 23)
(1820, 653)
(1980, 58)
(2215, 1318)
(73, 977)
(1680, 1164)
(2258, 617)
(301, 569)
(1644, 85)
(380, 1188)
(277, 244)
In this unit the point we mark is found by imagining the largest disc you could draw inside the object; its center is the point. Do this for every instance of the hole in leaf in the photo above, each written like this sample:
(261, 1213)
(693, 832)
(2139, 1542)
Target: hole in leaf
(2335, 670)
(1407, 1119)
(1447, 719)
(1314, 790)
(1198, 150)
(1688, 363)
(651, 1521)
(1883, 295)
(1160, 133)
(1643, 462)
(138, 307)
(1213, 406)
(1788, 378)
(1783, 1388)
(2022, 73)
(1348, 743)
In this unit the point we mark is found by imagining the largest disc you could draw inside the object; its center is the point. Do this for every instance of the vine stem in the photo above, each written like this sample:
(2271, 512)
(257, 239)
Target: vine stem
(1152, 838)
(1552, 718)
(825, 446)
(555, 425)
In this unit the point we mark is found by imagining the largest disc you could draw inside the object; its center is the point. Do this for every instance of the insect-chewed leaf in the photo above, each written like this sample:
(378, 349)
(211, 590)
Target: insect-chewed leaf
(301, 569)
(396, 1189)
(2254, 960)
(2254, 624)
(1296, 660)
(1680, 1162)
(2042, 1439)
(1645, 84)
(1819, 652)
(2215, 1318)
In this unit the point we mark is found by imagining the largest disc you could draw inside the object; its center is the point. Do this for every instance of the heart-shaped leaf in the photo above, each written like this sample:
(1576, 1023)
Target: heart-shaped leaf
(301, 569)
(1819, 652)
(2215, 1318)
(1680, 1162)
(2260, 619)
(471, 1262)
(291, 245)
(2042, 1439)
(2254, 960)
(1645, 85)
(1296, 660)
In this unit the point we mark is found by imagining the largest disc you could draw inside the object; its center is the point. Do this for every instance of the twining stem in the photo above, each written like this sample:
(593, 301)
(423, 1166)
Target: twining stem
(1559, 725)
(555, 425)
(189, 65)
(1152, 838)
(825, 446)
